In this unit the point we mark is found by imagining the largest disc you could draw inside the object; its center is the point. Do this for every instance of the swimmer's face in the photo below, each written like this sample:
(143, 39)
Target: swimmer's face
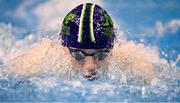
(88, 62)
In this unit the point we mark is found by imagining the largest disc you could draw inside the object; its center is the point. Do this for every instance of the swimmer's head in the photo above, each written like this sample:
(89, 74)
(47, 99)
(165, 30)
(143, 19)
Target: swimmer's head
(87, 31)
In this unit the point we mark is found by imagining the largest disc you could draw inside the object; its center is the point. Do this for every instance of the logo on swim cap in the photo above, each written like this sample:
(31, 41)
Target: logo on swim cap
(88, 26)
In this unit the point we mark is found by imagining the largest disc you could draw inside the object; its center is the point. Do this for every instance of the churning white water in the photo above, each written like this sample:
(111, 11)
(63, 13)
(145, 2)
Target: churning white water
(42, 71)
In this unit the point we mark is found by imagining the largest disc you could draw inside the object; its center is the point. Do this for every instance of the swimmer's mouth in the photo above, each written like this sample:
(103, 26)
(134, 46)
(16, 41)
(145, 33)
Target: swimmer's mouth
(92, 76)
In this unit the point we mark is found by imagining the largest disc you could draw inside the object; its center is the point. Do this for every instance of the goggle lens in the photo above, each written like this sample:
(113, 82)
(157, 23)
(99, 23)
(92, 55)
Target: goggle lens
(79, 54)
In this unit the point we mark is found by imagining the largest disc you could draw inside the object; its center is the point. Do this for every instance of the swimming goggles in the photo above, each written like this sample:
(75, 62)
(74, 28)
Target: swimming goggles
(81, 54)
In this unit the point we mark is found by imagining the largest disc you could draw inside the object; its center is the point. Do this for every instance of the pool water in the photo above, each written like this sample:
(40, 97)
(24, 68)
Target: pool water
(149, 28)
(114, 85)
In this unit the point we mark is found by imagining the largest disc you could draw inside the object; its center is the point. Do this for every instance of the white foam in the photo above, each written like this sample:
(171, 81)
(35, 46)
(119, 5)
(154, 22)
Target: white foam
(102, 87)
(130, 62)
(43, 57)
(44, 84)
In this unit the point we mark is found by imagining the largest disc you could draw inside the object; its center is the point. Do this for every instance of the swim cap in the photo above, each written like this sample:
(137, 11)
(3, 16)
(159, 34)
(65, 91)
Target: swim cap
(88, 26)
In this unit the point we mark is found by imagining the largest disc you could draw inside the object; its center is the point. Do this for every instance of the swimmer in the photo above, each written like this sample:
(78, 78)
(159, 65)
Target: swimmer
(87, 37)
(88, 33)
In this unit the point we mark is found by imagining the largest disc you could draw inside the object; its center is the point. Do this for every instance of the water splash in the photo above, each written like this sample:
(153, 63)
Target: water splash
(42, 73)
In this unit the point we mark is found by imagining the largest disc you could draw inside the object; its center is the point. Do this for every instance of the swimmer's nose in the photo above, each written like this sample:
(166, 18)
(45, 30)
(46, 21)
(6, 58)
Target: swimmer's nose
(91, 74)
(89, 63)
(90, 69)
